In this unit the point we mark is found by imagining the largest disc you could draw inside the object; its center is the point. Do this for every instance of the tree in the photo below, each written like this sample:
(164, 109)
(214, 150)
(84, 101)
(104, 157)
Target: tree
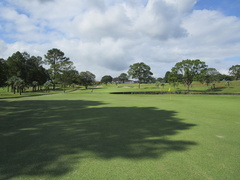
(174, 79)
(73, 77)
(123, 77)
(36, 72)
(106, 79)
(56, 59)
(167, 76)
(86, 78)
(161, 80)
(209, 75)
(34, 86)
(235, 71)
(189, 69)
(42, 76)
(19, 85)
(10, 82)
(17, 66)
(3, 72)
(66, 69)
(151, 80)
(224, 77)
(141, 72)
(116, 80)
(16, 83)
(29, 68)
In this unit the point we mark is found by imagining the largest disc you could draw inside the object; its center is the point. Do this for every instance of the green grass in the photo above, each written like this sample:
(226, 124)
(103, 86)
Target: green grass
(196, 87)
(84, 135)
(5, 93)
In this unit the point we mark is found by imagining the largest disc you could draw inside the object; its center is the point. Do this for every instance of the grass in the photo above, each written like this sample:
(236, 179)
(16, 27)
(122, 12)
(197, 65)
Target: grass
(5, 93)
(84, 135)
(196, 87)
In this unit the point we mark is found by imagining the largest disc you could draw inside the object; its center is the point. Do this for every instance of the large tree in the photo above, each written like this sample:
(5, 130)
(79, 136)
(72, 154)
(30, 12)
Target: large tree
(174, 79)
(123, 77)
(35, 70)
(235, 71)
(167, 76)
(86, 78)
(17, 66)
(56, 59)
(65, 77)
(189, 69)
(209, 75)
(106, 79)
(141, 72)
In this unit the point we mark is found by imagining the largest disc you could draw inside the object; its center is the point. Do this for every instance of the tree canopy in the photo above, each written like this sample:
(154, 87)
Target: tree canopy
(123, 77)
(235, 71)
(141, 72)
(209, 75)
(106, 79)
(57, 60)
(189, 69)
(86, 78)
(26, 67)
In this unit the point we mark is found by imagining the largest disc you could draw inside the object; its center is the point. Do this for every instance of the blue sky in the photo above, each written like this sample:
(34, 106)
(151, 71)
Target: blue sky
(228, 7)
(106, 36)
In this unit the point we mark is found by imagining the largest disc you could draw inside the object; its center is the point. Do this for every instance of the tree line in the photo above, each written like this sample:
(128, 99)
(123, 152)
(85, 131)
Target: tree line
(22, 70)
(184, 72)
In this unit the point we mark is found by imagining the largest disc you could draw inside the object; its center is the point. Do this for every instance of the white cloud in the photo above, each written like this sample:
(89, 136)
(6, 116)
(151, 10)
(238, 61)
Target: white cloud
(211, 27)
(212, 35)
(106, 36)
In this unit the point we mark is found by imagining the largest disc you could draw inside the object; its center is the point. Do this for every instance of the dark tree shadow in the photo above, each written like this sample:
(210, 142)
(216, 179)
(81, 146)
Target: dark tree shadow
(37, 136)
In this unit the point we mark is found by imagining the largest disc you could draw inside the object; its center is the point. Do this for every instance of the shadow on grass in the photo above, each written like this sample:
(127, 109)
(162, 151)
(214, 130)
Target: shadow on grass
(46, 138)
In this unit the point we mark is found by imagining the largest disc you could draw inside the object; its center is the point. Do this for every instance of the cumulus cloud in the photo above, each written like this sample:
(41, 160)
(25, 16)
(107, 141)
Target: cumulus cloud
(212, 34)
(106, 36)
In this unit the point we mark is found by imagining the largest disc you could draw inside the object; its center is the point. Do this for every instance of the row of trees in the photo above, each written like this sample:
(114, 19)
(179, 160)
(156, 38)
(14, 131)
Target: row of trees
(188, 71)
(21, 70)
(184, 72)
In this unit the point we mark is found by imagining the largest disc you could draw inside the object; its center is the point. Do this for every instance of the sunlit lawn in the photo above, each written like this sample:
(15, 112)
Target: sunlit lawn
(96, 135)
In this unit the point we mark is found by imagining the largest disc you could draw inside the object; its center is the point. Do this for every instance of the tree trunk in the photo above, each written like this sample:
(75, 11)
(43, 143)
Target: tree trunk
(188, 85)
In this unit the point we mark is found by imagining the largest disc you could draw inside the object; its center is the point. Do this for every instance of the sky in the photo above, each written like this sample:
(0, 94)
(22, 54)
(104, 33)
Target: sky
(105, 37)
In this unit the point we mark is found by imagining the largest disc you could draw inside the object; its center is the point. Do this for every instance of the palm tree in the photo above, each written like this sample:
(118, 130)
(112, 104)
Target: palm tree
(16, 83)
(19, 85)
